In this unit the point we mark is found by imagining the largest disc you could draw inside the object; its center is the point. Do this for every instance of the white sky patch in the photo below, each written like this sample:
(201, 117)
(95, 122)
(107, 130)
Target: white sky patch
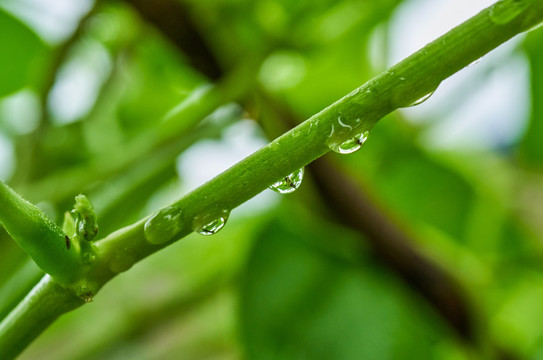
(7, 159)
(78, 84)
(53, 20)
(494, 115)
(484, 105)
(21, 111)
(208, 158)
(419, 22)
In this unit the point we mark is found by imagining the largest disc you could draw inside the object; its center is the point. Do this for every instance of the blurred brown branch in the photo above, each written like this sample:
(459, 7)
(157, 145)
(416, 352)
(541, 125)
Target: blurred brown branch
(173, 21)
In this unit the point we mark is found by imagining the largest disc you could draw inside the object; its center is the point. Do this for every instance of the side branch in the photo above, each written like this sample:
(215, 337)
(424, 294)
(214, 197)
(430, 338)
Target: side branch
(38, 236)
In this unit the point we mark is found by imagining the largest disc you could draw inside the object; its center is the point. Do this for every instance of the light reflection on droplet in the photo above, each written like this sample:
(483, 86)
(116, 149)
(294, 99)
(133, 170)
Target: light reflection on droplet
(353, 144)
(422, 99)
(289, 183)
(213, 227)
(163, 225)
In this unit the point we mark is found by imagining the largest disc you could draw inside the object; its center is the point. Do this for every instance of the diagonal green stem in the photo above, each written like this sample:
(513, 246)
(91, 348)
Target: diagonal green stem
(400, 86)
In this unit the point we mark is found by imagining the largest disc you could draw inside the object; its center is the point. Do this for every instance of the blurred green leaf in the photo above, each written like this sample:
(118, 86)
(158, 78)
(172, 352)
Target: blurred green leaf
(300, 301)
(22, 52)
(411, 181)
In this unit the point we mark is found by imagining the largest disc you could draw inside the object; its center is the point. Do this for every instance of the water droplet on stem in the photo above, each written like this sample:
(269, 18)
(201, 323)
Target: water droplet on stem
(422, 99)
(289, 183)
(163, 225)
(503, 12)
(353, 144)
(213, 226)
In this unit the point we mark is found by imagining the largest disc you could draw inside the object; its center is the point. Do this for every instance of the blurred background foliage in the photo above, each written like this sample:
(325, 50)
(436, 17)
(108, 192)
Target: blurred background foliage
(456, 181)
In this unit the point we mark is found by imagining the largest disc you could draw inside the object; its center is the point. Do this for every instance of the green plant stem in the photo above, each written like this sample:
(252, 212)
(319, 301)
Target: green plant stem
(18, 285)
(45, 303)
(400, 86)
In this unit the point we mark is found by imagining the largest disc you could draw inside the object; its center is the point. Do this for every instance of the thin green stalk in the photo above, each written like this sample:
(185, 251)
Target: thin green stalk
(400, 86)
(45, 303)
(19, 283)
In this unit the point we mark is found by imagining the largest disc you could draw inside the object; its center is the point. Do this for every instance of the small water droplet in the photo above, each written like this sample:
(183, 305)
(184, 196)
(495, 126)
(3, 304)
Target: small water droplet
(289, 183)
(422, 99)
(475, 62)
(353, 144)
(89, 257)
(214, 226)
(86, 297)
(402, 78)
(163, 225)
(84, 292)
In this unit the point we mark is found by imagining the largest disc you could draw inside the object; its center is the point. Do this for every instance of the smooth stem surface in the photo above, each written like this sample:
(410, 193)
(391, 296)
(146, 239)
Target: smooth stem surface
(400, 86)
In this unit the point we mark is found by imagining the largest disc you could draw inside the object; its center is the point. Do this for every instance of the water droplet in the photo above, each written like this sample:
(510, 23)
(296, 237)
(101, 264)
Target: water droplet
(422, 99)
(214, 226)
(86, 297)
(475, 62)
(85, 293)
(163, 225)
(88, 257)
(505, 11)
(352, 145)
(289, 183)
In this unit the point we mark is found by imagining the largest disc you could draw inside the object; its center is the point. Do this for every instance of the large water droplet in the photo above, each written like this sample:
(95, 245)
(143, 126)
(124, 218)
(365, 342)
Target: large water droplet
(351, 145)
(289, 183)
(163, 225)
(213, 226)
(422, 99)
(505, 11)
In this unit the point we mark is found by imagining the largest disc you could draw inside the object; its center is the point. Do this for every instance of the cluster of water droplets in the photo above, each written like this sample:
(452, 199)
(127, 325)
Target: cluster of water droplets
(165, 224)
(289, 183)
